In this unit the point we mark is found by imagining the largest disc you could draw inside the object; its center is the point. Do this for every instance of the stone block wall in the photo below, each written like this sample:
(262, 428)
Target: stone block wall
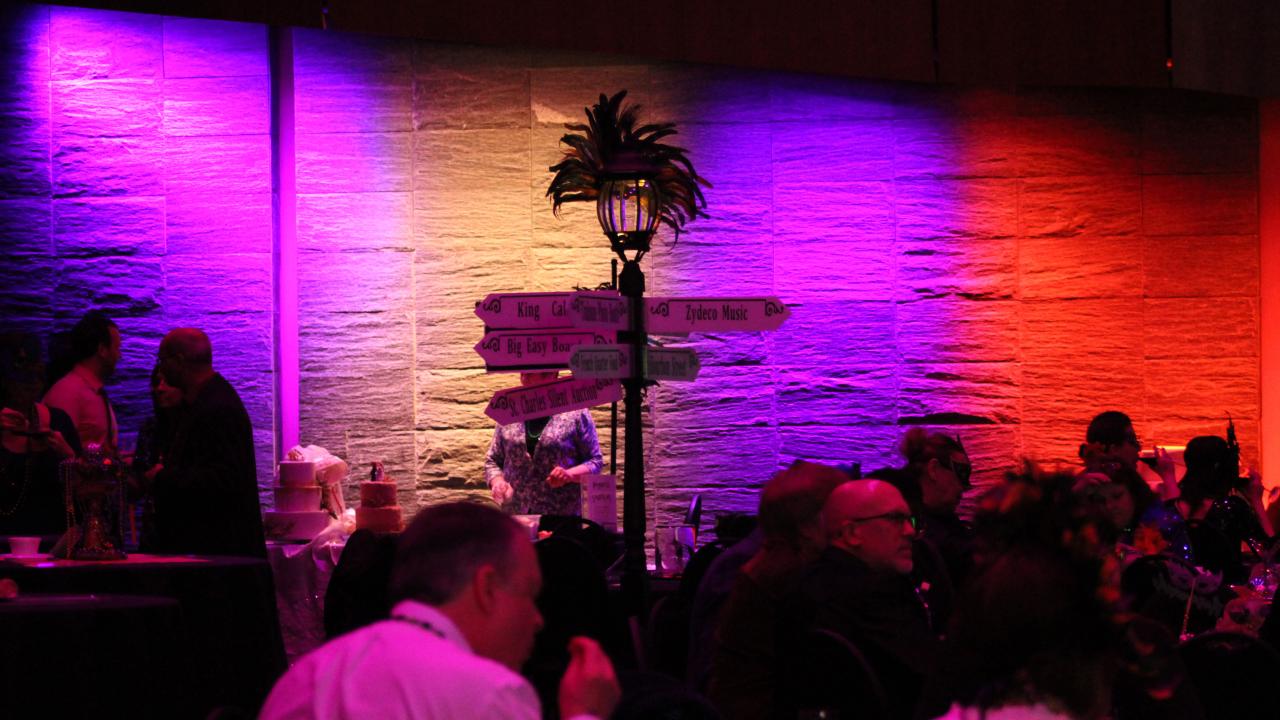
(999, 263)
(136, 179)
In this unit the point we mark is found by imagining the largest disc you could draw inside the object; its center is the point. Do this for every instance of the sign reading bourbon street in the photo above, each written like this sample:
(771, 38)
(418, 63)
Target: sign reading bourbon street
(681, 316)
(520, 350)
(679, 364)
(534, 401)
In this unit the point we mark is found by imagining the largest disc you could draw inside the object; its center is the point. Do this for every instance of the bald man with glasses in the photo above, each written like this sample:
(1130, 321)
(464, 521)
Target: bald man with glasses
(862, 588)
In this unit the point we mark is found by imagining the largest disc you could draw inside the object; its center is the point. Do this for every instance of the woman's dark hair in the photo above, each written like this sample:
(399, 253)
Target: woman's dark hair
(1036, 623)
(21, 370)
(1139, 490)
(1210, 470)
(918, 447)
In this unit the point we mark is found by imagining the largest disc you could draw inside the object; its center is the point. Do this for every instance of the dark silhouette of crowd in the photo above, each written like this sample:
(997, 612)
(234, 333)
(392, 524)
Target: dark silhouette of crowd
(1120, 588)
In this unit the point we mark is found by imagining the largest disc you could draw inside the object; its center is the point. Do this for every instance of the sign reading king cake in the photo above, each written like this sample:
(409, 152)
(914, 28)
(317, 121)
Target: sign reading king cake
(534, 401)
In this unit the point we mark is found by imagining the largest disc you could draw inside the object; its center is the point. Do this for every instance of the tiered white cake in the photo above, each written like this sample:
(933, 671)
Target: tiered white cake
(379, 509)
(297, 514)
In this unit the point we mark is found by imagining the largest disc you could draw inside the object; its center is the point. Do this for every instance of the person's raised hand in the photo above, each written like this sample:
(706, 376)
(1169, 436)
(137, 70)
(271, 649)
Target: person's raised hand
(589, 686)
(11, 419)
(1254, 490)
(1165, 465)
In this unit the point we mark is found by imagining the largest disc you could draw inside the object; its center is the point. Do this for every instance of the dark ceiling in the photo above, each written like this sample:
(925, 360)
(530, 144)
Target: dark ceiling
(1230, 46)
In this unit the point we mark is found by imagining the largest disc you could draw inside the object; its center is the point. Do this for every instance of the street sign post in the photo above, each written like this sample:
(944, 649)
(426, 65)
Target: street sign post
(531, 350)
(677, 364)
(534, 401)
(681, 316)
(610, 362)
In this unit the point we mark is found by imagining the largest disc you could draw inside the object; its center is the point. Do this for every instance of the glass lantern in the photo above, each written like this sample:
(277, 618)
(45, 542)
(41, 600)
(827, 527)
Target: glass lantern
(628, 209)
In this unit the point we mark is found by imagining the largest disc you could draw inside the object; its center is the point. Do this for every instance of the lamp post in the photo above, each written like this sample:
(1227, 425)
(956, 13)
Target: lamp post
(637, 181)
(628, 208)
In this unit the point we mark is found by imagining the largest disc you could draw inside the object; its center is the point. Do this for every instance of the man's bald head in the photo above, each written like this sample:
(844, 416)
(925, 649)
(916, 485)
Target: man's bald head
(186, 360)
(870, 520)
(191, 343)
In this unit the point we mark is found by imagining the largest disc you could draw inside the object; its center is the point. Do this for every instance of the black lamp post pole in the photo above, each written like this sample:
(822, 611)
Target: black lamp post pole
(634, 575)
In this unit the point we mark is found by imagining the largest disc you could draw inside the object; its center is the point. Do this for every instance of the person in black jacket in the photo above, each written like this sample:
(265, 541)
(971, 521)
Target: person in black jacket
(206, 497)
(862, 588)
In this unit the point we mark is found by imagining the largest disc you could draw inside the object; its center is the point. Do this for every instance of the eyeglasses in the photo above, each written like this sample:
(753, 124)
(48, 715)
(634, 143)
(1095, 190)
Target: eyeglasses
(897, 518)
(961, 469)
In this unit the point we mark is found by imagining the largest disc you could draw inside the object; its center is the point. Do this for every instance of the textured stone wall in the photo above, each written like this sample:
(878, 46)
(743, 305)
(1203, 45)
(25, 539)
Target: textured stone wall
(136, 179)
(1000, 264)
(1004, 264)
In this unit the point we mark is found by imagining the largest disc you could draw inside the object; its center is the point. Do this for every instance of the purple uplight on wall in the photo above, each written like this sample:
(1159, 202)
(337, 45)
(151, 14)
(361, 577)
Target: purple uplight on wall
(136, 180)
(1001, 263)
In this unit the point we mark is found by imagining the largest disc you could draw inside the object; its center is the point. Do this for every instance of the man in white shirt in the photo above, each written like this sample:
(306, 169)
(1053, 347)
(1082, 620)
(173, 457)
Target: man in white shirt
(95, 348)
(465, 582)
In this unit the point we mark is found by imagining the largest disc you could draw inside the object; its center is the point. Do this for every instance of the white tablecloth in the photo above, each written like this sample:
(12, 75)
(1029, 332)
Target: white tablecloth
(302, 573)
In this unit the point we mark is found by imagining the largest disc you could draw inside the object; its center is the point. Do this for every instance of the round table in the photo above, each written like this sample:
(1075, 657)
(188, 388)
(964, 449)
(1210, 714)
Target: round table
(91, 656)
(231, 651)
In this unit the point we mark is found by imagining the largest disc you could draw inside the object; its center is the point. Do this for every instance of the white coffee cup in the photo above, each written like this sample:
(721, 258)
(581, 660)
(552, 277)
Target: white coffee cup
(24, 545)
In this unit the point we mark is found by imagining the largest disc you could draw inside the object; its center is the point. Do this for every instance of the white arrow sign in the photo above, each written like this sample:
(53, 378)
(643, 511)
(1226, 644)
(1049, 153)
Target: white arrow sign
(596, 309)
(517, 311)
(681, 316)
(599, 310)
(535, 401)
(677, 364)
(514, 350)
(601, 361)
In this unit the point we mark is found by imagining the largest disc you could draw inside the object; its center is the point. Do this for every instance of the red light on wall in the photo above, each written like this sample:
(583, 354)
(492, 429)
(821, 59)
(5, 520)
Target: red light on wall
(1168, 63)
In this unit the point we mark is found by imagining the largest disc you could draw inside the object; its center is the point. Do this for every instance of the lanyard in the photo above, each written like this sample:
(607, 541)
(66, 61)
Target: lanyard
(420, 623)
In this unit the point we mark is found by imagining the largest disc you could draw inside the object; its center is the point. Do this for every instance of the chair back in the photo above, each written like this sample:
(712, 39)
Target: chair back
(830, 675)
(358, 591)
(1233, 673)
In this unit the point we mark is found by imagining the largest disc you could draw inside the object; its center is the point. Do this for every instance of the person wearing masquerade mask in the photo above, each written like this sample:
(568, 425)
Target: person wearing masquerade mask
(933, 482)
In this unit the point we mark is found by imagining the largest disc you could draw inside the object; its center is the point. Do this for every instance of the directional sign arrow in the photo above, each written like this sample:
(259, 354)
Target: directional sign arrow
(525, 310)
(535, 401)
(601, 361)
(599, 310)
(595, 309)
(514, 350)
(677, 364)
(680, 316)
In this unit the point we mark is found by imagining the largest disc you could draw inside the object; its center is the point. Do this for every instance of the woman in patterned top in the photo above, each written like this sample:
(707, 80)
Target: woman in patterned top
(535, 467)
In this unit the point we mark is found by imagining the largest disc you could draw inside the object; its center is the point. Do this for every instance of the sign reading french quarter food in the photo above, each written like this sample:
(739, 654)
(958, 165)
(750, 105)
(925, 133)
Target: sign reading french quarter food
(609, 362)
(594, 309)
(681, 316)
(680, 364)
(600, 310)
(535, 401)
(520, 350)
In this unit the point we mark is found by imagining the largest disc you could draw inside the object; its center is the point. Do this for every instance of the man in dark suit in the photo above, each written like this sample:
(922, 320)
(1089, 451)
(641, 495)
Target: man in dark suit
(861, 588)
(207, 493)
